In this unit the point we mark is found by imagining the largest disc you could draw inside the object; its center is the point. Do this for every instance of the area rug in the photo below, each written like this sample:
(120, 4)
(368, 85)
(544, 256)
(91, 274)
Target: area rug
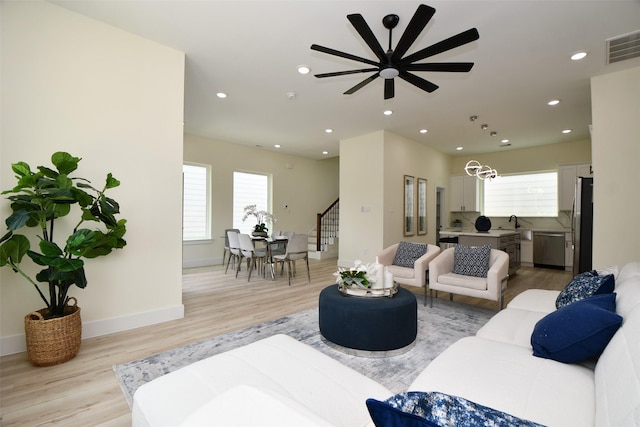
(438, 327)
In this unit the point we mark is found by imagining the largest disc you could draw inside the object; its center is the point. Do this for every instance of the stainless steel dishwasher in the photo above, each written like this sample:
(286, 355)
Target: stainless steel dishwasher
(548, 249)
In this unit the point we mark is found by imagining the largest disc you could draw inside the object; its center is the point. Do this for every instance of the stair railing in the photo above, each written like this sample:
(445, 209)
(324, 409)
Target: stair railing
(327, 224)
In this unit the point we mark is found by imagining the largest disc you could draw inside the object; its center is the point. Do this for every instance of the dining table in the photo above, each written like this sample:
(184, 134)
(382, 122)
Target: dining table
(274, 246)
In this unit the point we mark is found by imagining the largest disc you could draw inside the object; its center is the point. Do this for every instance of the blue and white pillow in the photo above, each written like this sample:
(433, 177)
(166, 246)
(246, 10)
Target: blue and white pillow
(407, 253)
(435, 409)
(585, 285)
(472, 260)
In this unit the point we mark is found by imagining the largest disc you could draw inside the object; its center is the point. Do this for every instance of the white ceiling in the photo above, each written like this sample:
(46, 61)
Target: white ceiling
(250, 50)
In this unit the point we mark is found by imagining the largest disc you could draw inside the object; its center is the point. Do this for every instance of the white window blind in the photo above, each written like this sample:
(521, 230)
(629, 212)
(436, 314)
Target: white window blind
(249, 189)
(196, 206)
(527, 195)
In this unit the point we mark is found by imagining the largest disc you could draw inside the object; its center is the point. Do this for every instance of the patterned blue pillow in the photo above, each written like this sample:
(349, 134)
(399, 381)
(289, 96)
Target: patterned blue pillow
(472, 260)
(585, 285)
(407, 253)
(434, 409)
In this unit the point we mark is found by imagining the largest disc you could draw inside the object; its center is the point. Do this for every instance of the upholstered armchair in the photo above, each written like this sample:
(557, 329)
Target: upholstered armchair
(443, 278)
(408, 262)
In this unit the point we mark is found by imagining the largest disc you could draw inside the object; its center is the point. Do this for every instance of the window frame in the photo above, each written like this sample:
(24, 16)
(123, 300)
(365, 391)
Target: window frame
(247, 226)
(206, 237)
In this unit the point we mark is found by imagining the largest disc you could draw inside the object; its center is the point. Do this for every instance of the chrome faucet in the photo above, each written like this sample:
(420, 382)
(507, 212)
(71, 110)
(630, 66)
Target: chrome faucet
(516, 219)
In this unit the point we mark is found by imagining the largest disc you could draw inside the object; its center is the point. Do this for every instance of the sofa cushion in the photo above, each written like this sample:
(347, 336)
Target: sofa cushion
(434, 409)
(542, 300)
(401, 272)
(585, 285)
(577, 331)
(512, 326)
(407, 253)
(508, 378)
(472, 260)
(250, 406)
(470, 282)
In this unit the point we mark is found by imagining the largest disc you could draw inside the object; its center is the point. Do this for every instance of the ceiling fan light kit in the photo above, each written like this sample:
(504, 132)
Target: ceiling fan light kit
(393, 63)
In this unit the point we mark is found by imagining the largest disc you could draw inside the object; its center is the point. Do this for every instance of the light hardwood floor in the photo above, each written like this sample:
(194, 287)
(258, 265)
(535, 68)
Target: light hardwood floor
(84, 391)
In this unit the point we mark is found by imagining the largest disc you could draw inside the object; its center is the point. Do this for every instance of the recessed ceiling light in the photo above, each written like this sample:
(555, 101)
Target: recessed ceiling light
(505, 141)
(459, 148)
(221, 95)
(566, 131)
(325, 152)
(304, 69)
(388, 112)
(328, 130)
(553, 102)
(423, 131)
(578, 55)
(493, 133)
(484, 126)
(277, 145)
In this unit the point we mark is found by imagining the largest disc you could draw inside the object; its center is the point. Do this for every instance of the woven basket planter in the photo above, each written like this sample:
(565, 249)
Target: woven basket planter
(53, 341)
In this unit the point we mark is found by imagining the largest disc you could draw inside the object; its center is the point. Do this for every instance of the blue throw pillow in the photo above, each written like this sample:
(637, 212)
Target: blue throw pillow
(407, 253)
(472, 260)
(435, 409)
(578, 331)
(585, 285)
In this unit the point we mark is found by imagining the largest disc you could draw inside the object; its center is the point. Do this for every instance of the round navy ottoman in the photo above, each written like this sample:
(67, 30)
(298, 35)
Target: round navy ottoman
(372, 324)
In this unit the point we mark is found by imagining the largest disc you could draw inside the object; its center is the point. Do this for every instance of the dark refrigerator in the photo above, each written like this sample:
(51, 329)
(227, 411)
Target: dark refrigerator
(582, 225)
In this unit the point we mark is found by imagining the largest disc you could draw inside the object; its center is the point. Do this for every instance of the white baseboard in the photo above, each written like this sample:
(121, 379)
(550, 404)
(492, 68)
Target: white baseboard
(16, 343)
(205, 262)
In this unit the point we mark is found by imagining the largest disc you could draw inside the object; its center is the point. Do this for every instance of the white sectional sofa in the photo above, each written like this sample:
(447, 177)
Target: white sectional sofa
(283, 382)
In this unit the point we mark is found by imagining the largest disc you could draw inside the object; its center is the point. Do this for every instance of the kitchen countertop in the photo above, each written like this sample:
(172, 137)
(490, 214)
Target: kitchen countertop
(491, 233)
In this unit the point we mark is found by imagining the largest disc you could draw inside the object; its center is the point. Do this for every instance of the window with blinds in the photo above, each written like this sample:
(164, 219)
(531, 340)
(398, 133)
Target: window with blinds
(196, 202)
(527, 195)
(249, 189)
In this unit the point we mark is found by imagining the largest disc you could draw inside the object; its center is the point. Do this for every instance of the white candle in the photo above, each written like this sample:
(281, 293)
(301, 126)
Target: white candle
(379, 282)
(388, 278)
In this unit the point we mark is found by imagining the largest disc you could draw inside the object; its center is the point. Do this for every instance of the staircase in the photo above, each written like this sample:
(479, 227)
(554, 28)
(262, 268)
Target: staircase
(323, 238)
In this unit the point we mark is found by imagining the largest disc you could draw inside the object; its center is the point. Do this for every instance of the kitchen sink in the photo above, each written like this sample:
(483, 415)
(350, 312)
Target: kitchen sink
(526, 234)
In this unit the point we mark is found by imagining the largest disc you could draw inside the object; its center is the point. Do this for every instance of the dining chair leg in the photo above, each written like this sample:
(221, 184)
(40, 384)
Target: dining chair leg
(228, 261)
(308, 273)
(289, 270)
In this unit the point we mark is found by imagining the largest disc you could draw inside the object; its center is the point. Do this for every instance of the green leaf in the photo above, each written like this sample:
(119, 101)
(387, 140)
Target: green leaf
(65, 162)
(63, 181)
(48, 172)
(18, 220)
(111, 182)
(14, 249)
(50, 249)
(84, 199)
(21, 168)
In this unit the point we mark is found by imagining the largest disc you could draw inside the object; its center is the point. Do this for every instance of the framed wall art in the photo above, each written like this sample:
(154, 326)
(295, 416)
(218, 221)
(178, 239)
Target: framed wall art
(409, 205)
(422, 206)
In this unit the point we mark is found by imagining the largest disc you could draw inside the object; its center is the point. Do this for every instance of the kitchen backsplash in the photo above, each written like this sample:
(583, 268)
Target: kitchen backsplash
(468, 219)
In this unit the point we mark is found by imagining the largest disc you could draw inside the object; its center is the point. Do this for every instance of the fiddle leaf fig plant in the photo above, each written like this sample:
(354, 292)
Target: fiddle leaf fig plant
(42, 198)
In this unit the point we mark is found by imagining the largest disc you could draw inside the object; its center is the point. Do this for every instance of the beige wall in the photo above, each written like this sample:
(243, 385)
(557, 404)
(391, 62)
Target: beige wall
(73, 84)
(306, 186)
(370, 219)
(616, 152)
(544, 157)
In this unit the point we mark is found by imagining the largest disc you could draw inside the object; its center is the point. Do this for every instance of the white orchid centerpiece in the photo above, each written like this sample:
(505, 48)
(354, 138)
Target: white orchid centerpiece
(360, 275)
(262, 217)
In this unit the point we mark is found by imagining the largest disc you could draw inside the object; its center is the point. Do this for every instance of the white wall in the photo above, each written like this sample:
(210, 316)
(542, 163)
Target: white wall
(73, 84)
(306, 186)
(616, 153)
(372, 168)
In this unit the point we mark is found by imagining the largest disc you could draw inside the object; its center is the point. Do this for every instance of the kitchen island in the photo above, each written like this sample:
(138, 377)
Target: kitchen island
(504, 240)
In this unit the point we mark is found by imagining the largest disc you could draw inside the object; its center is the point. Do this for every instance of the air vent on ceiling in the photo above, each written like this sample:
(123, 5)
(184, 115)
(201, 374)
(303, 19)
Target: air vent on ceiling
(623, 47)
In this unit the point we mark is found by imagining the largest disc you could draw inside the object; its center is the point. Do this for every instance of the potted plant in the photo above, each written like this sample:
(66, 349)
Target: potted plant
(39, 200)
(262, 217)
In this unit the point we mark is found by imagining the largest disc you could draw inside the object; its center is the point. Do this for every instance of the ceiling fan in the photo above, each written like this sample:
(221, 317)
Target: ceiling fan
(391, 63)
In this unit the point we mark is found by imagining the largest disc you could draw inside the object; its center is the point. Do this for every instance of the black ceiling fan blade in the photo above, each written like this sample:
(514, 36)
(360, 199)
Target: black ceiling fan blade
(452, 67)
(420, 20)
(447, 44)
(423, 84)
(367, 35)
(344, 73)
(343, 54)
(389, 88)
(362, 84)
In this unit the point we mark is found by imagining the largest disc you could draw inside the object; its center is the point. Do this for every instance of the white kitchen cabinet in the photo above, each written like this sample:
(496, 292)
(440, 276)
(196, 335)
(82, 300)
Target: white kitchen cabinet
(526, 252)
(568, 252)
(464, 194)
(567, 175)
